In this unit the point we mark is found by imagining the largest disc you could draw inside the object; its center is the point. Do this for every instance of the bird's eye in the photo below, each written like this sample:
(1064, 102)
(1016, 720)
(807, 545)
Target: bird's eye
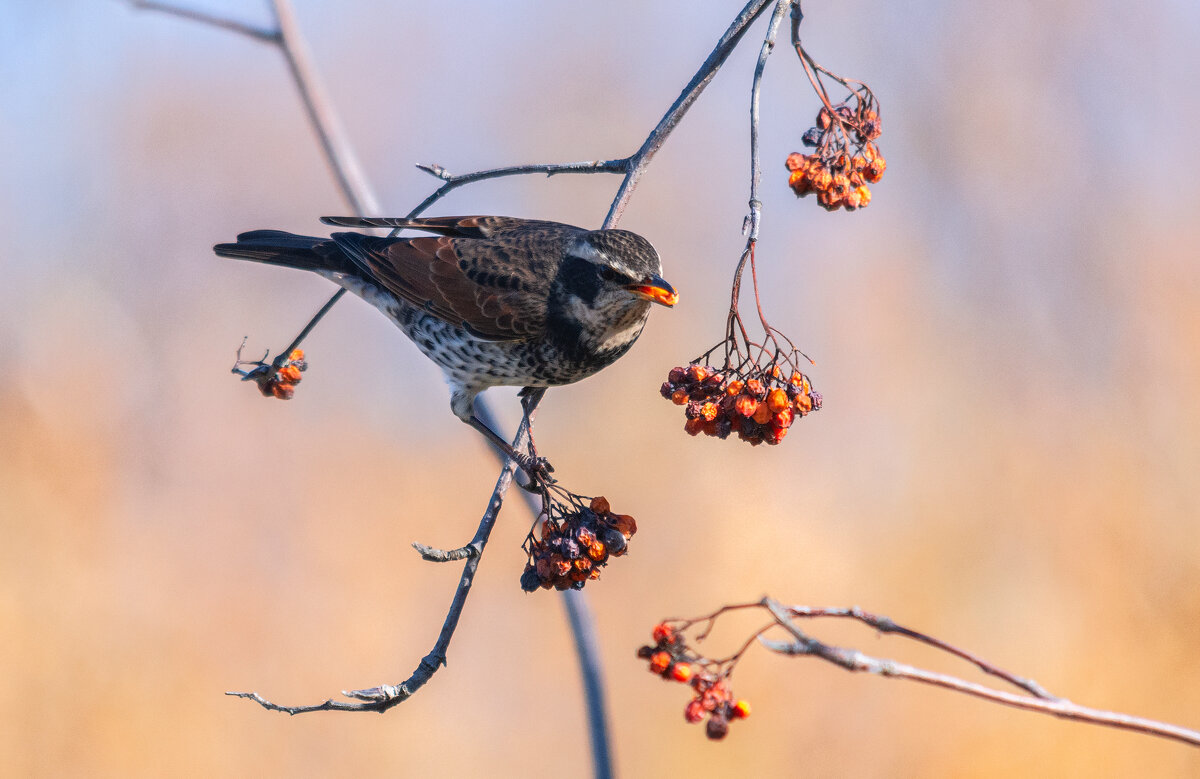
(608, 274)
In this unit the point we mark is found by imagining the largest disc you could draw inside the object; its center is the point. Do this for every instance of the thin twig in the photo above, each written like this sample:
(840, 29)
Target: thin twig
(587, 649)
(454, 182)
(321, 114)
(638, 162)
(886, 625)
(853, 660)
(232, 25)
(386, 696)
(434, 555)
(781, 8)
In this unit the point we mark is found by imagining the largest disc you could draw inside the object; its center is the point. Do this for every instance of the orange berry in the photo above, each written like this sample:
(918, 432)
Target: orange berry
(290, 373)
(709, 411)
(693, 712)
(821, 179)
(852, 200)
(597, 550)
(679, 397)
(681, 672)
(783, 417)
(694, 426)
(741, 710)
(777, 400)
(803, 403)
(756, 388)
(734, 387)
(864, 194)
(773, 435)
(746, 405)
(663, 633)
(795, 161)
(874, 171)
(697, 373)
(296, 355)
(762, 414)
(283, 390)
(659, 662)
(600, 505)
(624, 524)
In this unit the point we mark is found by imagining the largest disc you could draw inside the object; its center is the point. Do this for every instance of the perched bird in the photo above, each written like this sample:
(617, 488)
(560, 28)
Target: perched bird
(492, 300)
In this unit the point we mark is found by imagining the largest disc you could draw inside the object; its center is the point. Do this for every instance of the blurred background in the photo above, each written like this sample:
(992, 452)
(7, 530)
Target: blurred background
(1008, 341)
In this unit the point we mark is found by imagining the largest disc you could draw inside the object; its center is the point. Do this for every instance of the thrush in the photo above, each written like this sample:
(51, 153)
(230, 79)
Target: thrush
(492, 300)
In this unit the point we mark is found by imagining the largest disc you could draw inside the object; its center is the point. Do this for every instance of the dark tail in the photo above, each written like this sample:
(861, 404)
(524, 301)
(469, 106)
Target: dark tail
(293, 251)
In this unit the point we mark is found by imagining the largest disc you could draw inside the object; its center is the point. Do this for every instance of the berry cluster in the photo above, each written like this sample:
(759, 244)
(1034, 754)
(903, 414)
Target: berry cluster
(281, 383)
(758, 404)
(575, 541)
(274, 380)
(670, 658)
(846, 158)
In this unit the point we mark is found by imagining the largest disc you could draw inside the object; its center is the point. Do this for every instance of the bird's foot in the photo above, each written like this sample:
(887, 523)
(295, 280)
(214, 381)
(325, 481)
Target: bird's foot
(538, 469)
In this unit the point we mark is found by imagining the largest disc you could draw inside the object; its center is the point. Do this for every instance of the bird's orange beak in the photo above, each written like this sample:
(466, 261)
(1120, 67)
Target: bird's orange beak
(656, 290)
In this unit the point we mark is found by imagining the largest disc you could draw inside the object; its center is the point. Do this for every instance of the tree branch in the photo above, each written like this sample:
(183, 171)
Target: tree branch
(853, 660)
(221, 22)
(324, 119)
(640, 159)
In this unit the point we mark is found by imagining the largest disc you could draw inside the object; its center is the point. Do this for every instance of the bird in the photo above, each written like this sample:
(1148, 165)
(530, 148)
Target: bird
(492, 300)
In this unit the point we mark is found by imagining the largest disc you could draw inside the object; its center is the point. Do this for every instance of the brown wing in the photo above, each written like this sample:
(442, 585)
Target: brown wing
(497, 289)
(457, 226)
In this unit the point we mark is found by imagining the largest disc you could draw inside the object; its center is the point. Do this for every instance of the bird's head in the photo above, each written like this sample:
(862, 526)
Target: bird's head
(605, 285)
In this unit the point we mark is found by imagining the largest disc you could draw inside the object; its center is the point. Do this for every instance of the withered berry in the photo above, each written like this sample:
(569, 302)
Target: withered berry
(717, 728)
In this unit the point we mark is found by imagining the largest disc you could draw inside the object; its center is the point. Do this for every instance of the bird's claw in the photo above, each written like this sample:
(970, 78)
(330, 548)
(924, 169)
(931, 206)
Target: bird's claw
(538, 469)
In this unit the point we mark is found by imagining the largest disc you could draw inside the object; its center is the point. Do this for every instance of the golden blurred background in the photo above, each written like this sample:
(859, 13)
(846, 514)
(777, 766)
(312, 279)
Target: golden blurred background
(1008, 341)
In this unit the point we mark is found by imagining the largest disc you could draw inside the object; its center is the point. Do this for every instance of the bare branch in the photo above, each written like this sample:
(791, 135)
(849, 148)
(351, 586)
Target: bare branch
(221, 22)
(638, 162)
(671, 639)
(384, 697)
(768, 46)
(886, 625)
(324, 119)
(553, 169)
(434, 555)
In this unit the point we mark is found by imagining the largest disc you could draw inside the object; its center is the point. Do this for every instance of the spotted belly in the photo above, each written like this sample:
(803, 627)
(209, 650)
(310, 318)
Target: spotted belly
(473, 364)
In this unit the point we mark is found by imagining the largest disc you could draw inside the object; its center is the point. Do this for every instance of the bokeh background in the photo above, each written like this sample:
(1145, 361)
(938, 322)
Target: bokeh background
(1008, 341)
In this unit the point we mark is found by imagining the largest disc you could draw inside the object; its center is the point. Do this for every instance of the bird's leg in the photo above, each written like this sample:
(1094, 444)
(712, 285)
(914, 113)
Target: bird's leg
(530, 396)
(536, 468)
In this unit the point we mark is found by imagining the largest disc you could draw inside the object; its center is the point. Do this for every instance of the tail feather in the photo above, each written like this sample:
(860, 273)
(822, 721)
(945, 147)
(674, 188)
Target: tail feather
(277, 247)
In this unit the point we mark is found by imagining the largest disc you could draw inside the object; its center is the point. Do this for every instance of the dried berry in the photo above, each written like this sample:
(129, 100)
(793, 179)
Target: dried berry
(717, 728)
(574, 541)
